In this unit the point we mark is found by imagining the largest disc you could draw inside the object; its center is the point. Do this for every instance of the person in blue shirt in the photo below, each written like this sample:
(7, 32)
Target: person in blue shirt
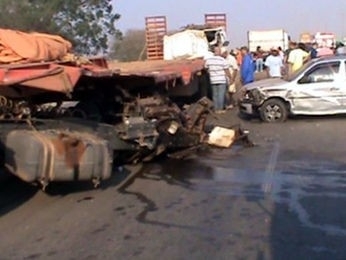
(247, 66)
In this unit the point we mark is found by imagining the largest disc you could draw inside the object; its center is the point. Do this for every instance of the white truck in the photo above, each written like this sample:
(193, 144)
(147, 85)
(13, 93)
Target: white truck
(193, 43)
(268, 39)
(325, 39)
(196, 41)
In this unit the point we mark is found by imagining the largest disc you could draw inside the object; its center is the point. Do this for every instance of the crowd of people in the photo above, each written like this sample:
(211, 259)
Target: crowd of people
(226, 67)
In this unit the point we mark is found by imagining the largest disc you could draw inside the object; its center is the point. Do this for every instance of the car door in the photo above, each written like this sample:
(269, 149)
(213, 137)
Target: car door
(319, 90)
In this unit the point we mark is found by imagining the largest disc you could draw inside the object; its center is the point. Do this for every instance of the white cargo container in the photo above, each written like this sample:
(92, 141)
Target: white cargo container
(268, 39)
(185, 44)
(192, 43)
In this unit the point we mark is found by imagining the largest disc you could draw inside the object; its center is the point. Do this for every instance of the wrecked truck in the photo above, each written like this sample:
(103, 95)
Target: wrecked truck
(73, 119)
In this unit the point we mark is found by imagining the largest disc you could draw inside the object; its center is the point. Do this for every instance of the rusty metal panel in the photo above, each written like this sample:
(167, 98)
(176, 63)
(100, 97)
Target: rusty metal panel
(156, 29)
(49, 76)
(58, 82)
(160, 70)
(216, 20)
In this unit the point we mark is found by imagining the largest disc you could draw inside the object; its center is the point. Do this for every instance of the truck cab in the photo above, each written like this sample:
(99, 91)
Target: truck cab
(216, 36)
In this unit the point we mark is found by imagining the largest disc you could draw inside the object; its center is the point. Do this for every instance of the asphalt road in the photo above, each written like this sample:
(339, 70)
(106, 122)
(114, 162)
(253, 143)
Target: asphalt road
(282, 199)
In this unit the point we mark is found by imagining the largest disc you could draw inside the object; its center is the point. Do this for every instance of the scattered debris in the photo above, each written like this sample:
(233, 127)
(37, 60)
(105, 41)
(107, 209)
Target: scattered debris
(222, 137)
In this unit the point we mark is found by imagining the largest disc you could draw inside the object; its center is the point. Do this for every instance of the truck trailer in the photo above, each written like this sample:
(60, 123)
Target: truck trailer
(268, 39)
(74, 118)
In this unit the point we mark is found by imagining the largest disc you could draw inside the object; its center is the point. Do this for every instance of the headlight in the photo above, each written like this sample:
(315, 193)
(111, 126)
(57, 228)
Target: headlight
(243, 92)
(256, 96)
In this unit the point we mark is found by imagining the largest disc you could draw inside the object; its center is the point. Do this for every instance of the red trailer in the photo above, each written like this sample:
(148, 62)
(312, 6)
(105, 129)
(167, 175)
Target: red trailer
(70, 119)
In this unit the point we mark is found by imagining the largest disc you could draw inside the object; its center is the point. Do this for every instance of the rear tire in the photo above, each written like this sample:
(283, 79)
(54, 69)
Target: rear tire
(273, 111)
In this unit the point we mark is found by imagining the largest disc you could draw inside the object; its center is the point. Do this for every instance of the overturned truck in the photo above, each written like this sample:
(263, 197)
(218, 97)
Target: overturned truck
(72, 119)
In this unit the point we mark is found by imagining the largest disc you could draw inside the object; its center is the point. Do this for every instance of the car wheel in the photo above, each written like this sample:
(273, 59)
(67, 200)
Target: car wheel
(273, 111)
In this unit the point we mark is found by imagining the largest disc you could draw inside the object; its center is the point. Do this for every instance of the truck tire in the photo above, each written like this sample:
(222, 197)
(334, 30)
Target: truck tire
(273, 111)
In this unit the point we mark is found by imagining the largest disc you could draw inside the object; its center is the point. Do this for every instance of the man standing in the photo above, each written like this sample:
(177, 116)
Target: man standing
(274, 64)
(281, 53)
(259, 59)
(297, 57)
(233, 69)
(313, 51)
(218, 73)
(238, 56)
(247, 66)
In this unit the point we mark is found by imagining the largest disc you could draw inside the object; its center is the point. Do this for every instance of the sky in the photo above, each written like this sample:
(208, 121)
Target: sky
(294, 16)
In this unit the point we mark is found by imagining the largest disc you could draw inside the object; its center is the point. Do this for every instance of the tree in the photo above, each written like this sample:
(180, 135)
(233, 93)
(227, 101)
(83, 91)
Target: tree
(86, 23)
(130, 47)
(89, 22)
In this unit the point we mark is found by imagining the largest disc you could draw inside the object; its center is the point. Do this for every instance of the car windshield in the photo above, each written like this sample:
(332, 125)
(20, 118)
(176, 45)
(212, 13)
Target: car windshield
(296, 73)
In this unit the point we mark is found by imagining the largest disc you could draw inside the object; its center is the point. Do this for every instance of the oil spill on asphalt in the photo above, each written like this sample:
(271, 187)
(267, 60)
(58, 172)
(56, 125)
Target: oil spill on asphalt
(312, 187)
(149, 204)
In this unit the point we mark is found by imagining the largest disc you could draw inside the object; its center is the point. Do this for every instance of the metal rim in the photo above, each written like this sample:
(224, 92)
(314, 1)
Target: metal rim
(273, 112)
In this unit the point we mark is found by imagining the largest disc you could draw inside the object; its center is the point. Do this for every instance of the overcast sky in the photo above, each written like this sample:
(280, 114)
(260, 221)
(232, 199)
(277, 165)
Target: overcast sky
(295, 16)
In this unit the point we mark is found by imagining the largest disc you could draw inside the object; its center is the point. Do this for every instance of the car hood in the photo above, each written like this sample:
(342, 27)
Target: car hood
(266, 84)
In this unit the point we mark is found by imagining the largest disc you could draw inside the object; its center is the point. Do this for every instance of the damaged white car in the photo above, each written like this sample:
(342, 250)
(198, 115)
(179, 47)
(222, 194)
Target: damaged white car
(318, 88)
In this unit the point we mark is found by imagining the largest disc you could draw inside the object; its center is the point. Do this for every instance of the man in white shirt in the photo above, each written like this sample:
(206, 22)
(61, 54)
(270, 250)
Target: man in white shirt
(218, 69)
(274, 64)
(233, 69)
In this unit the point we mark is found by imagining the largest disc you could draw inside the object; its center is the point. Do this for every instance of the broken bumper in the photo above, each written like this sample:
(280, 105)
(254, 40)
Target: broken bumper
(246, 107)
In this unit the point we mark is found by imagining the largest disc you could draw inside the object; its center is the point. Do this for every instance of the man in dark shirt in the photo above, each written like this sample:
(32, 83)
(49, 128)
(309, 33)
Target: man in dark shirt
(313, 51)
(259, 59)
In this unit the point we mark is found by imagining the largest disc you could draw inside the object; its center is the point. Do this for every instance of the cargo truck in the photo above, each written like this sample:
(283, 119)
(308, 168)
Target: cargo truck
(72, 118)
(192, 42)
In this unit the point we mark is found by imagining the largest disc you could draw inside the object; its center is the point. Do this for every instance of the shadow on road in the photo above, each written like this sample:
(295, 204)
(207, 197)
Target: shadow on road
(14, 193)
(120, 175)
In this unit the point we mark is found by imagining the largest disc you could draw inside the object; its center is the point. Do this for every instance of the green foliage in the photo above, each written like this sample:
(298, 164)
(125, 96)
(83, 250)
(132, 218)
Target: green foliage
(87, 23)
(130, 47)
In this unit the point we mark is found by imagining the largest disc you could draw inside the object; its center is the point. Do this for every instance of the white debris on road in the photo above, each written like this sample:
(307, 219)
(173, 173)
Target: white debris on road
(221, 137)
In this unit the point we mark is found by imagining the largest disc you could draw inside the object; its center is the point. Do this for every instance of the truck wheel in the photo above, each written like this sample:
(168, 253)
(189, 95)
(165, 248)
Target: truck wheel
(273, 111)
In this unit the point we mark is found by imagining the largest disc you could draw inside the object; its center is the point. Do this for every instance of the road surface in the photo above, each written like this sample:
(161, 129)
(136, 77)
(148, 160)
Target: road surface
(282, 199)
